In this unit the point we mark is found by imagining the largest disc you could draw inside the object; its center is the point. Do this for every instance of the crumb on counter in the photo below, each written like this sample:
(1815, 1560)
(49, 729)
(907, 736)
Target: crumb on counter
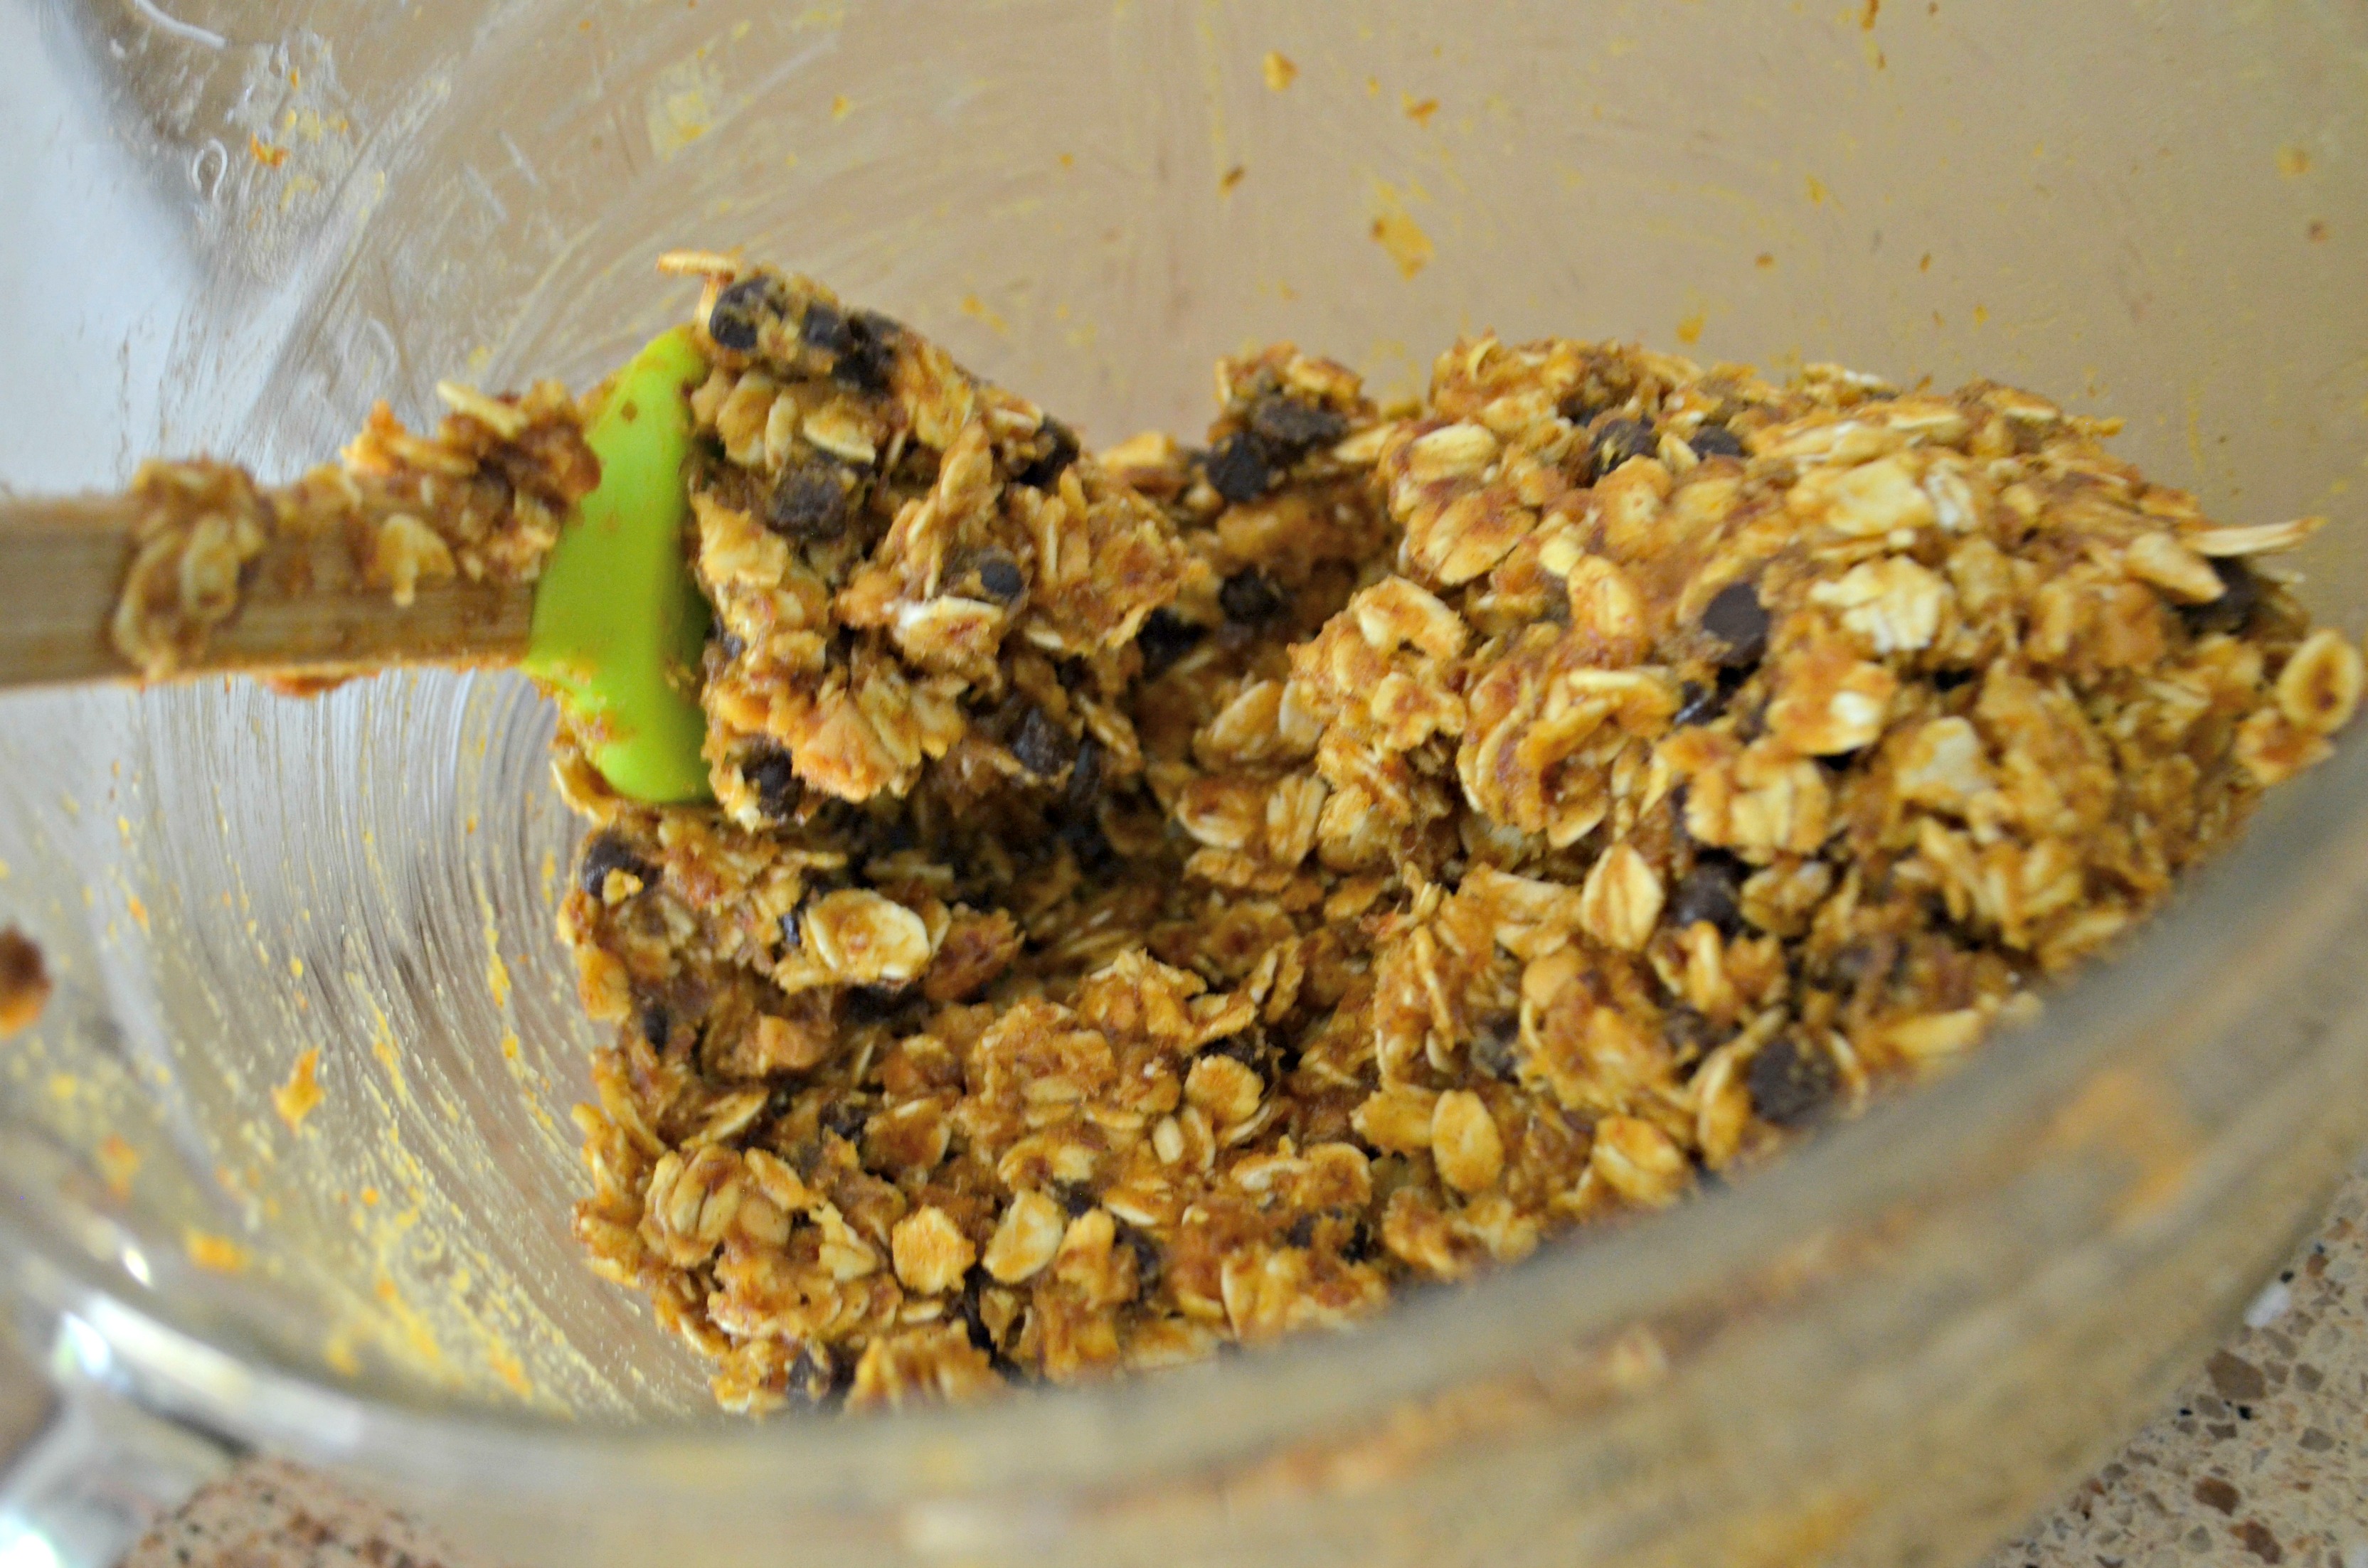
(24, 981)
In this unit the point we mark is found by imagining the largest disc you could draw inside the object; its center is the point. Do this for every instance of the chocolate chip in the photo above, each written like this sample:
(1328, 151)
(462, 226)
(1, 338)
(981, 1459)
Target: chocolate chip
(732, 646)
(817, 1379)
(1687, 1032)
(1581, 406)
(1713, 890)
(1166, 637)
(845, 1119)
(739, 310)
(791, 938)
(1358, 1244)
(968, 1309)
(1494, 1046)
(826, 328)
(1302, 1233)
(1250, 598)
(1290, 426)
(870, 355)
(1715, 441)
(999, 577)
(1791, 1082)
(607, 852)
(1096, 858)
(1043, 747)
(1237, 466)
(657, 1023)
(1149, 1262)
(1950, 680)
(1075, 1199)
(876, 1003)
(775, 779)
(1620, 441)
(1696, 703)
(1739, 621)
(809, 501)
(1085, 774)
(1250, 1050)
(1859, 961)
(2240, 594)
(1060, 452)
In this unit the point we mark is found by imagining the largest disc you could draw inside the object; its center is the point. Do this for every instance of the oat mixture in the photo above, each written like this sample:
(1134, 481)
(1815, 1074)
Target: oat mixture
(482, 498)
(1171, 899)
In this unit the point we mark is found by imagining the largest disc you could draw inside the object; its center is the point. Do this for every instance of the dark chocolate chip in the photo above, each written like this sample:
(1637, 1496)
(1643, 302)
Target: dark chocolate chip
(1739, 621)
(1713, 890)
(1358, 1245)
(999, 577)
(738, 312)
(1060, 452)
(1302, 1233)
(1861, 962)
(1085, 774)
(775, 779)
(845, 1119)
(656, 1022)
(1791, 1082)
(791, 938)
(1250, 598)
(1687, 1032)
(876, 1003)
(1287, 426)
(1237, 466)
(1715, 441)
(1097, 859)
(826, 328)
(733, 647)
(969, 1310)
(1579, 408)
(1251, 1052)
(1075, 1199)
(1697, 704)
(817, 1378)
(1149, 1262)
(2240, 596)
(1496, 1045)
(1950, 680)
(606, 852)
(809, 501)
(1043, 747)
(1618, 440)
(1166, 637)
(868, 360)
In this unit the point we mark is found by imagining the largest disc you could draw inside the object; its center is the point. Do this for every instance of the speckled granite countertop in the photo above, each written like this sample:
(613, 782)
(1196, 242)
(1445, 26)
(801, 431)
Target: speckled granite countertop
(2263, 1459)
(2264, 1456)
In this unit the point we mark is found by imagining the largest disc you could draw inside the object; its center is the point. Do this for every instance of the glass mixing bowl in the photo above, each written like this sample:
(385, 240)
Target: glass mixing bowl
(234, 222)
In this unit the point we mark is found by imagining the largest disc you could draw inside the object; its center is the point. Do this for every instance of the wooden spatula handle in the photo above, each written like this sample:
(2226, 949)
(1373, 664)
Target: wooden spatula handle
(62, 563)
(305, 607)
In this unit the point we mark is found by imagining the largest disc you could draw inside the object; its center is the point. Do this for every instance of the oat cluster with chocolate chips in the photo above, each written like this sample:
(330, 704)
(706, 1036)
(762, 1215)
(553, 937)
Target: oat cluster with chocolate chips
(1172, 899)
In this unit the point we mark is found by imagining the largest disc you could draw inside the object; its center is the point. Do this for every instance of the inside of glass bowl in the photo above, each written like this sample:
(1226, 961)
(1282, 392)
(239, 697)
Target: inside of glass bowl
(248, 222)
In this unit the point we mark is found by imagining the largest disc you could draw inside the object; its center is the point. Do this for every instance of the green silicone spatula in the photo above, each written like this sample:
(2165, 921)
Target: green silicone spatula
(618, 621)
(612, 627)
